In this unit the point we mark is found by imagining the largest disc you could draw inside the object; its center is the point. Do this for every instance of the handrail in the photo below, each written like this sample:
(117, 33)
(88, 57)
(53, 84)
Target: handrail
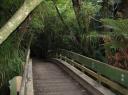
(27, 80)
(113, 73)
(114, 77)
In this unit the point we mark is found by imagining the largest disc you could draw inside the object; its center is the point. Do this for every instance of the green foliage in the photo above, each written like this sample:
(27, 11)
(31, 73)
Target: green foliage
(36, 23)
(118, 25)
(90, 9)
(11, 55)
(120, 32)
(57, 36)
(11, 59)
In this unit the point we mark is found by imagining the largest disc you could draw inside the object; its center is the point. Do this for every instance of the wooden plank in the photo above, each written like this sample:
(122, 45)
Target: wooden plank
(118, 75)
(29, 83)
(27, 80)
(23, 84)
(13, 86)
(18, 83)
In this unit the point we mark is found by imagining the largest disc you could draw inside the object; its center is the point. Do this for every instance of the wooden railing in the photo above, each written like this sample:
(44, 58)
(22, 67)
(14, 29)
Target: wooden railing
(27, 80)
(114, 77)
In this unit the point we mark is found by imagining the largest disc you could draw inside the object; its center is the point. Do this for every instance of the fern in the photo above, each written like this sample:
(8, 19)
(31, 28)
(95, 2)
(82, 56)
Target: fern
(120, 25)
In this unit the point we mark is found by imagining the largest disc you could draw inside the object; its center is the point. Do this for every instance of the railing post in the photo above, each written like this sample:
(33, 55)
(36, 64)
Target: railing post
(72, 62)
(15, 85)
(83, 70)
(60, 56)
(56, 55)
(27, 80)
(99, 79)
(122, 77)
(65, 58)
(98, 73)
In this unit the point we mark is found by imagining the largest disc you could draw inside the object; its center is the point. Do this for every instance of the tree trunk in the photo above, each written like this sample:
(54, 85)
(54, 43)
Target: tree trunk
(18, 18)
(61, 18)
(77, 10)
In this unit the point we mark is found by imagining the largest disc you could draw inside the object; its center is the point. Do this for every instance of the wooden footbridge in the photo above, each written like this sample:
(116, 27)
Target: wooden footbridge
(69, 73)
(66, 72)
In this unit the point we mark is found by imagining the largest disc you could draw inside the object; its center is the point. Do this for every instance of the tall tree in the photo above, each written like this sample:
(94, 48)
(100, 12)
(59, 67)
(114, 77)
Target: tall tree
(77, 10)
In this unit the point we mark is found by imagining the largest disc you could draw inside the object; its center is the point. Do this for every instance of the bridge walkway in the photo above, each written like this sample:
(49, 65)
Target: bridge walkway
(50, 79)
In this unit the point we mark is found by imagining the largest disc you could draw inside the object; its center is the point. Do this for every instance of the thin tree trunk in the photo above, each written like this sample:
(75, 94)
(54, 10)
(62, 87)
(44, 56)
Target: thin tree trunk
(18, 18)
(77, 10)
(66, 26)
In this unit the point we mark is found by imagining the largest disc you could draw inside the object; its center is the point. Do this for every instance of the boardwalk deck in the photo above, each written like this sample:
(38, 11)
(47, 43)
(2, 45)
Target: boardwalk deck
(49, 79)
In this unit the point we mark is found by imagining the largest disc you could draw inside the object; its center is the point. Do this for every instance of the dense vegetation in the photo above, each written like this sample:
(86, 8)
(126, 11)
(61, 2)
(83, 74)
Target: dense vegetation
(94, 29)
(86, 27)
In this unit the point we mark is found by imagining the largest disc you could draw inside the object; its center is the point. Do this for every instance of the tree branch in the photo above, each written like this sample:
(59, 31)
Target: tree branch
(18, 18)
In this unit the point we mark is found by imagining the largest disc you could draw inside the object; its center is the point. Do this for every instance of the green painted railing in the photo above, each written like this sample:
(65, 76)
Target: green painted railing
(115, 74)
